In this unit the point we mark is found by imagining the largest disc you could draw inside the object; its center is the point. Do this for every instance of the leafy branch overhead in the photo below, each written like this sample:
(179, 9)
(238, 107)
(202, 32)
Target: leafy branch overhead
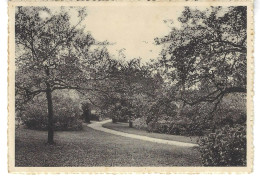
(48, 51)
(206, 55)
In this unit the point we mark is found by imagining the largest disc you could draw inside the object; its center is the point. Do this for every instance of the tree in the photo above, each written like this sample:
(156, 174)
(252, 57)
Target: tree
(205, 58)
(46, 58)
(86, 111)
(128, 86)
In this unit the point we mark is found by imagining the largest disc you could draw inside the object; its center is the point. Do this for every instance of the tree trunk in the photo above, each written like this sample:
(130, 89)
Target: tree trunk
(114, 120)
(50, 115)
(130, 123)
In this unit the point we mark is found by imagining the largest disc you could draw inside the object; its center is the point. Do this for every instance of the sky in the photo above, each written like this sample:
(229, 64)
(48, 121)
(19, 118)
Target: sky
(132, 29)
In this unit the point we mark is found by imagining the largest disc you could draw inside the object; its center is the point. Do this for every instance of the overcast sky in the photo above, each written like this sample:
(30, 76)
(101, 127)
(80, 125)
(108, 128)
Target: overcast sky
(133, 28)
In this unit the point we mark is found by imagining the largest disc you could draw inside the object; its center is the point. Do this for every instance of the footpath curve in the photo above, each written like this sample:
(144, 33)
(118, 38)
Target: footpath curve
(98, 126)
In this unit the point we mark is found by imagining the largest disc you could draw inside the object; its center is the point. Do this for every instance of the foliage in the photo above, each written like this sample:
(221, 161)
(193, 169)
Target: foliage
(67, 114)
(232, 110)
(225, 147)
(52, 53)
(140, 123)
(175, 126)
(205, 58)
(162, 107)
(199, 119)
(46, 51)
(127, 89)
(34, 117)
(204, 64)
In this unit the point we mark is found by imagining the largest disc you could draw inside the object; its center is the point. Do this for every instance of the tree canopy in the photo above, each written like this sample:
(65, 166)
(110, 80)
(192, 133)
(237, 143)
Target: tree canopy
(206, 56)
(51, 54)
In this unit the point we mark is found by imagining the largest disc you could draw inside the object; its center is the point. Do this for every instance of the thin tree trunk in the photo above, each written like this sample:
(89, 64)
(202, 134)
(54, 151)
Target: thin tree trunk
(50, 109)
(50, 115)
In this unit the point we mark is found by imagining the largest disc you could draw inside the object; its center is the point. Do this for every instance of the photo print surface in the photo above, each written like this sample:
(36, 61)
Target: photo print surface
(130, 86)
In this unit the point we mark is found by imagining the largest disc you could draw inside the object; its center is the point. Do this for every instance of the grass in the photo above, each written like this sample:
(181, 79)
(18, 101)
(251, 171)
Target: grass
(124, 127)
(95, 148)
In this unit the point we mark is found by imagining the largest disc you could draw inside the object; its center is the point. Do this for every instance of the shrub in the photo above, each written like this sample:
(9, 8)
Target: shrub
(63, 121)
(66, 114)
(168, 127)
(230, 117)
(66, 121)
(178, 125)
(161, 108)
(35, 119)
(225, 147)
(140, 123)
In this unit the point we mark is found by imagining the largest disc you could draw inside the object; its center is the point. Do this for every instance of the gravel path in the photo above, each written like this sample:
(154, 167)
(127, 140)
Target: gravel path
(98, 126)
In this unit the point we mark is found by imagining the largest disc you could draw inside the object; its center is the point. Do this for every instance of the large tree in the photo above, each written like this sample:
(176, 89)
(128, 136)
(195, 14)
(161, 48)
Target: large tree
(128, 83)
(47, 54)
(204, 56)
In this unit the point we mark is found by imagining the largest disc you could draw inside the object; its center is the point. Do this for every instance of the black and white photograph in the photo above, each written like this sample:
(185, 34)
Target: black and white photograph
(130, 86)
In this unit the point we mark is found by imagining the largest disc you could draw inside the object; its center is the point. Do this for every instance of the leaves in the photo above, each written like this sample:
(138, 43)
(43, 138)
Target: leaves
(226, 147)
(206, 56)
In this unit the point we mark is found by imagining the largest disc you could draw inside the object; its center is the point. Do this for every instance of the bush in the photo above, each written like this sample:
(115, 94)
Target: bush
(35, 120)
(161, 108)
(178, 125)
(140, 123)
(66, 114)
(225, 147)
(63, 121)
(34, 117)
(67, 122)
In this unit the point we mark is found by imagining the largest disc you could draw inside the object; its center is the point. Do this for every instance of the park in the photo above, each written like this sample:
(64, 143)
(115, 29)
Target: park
(92, 90)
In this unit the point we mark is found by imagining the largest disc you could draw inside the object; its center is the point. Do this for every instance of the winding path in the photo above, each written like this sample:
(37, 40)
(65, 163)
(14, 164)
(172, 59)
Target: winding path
(98, 126)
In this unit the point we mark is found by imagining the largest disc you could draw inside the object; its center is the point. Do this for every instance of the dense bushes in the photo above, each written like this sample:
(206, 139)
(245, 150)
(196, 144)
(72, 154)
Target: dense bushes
(63, 121)
(195, 120)
(175, 126)
(225, 147)
(163, 107)
(66, 114)
(35, 118)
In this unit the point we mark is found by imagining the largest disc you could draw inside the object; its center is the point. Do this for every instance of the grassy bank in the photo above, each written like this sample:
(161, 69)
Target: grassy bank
(94, 148)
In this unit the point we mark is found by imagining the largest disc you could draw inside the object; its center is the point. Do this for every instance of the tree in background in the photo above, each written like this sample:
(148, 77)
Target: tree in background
(86, 111)
(129, 87)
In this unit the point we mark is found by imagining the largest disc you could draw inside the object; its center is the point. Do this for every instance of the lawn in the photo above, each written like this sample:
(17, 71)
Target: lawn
(95, 148)
(124, 127)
